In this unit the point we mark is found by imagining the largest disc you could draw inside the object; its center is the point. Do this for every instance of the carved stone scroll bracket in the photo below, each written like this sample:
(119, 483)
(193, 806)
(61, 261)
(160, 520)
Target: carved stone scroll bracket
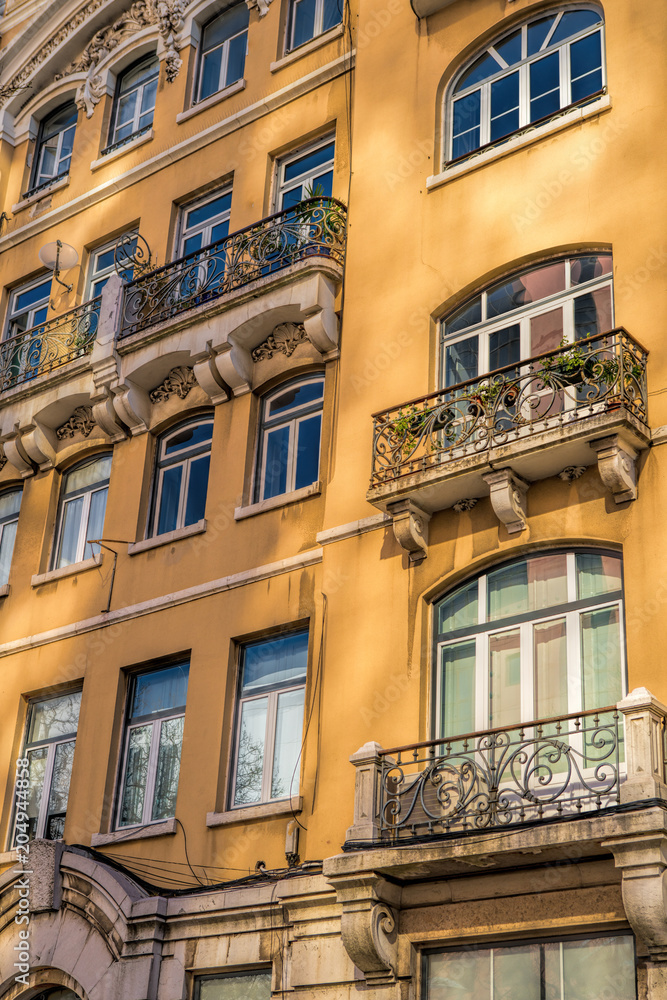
(105, 416)
(410, 528)
(207, 375)
(508, 498)
(40, 445)
(319, 317)
(132, 405)
(369, 925)
(643, 862)
(235, 368)
(81, 422)
(617, 462)
(16, 454)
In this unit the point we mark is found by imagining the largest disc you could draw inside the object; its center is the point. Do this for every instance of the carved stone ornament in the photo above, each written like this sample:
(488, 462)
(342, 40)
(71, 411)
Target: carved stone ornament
(285, 339)
(411, 528)
(178, 382)
(508, 498)
(81, 422)
(3, 459)
(572, 472)
(369, 933)
(261, 5)
(467, 504)
(170, 21)
(617, 462)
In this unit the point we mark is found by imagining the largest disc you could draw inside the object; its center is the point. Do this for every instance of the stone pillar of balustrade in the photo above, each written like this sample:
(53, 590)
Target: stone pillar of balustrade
(644, 718)
(368, 764)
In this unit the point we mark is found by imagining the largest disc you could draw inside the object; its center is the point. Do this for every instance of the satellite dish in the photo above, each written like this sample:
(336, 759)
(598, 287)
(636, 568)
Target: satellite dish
(58, 256)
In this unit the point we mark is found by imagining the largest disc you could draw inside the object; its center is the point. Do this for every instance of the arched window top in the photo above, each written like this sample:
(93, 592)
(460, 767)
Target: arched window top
(527, 314)
(55, 142)
(181, 475)
(536, 638)
(134, 103)
(290, 434)
(528, 74)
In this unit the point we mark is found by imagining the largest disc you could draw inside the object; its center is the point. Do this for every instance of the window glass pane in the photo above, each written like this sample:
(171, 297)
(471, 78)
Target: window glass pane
(510, 47)
(586, 268)
(466, 135)
(170, 493)
(250, 752)
(601, 966)
(459, 610)
(70, 531)
(309, 162)
(289, 724)
(54, 717)
(220, 231)
(88, 475)
(457, 665)
(67, 144)
(504, 347)
(275, 462)
(126, 108)
(202, 213)
(572, 23)
(292, 198)
(537, 33)
(516, 972)
(308, 451)
(303, 12)
(60, 120)
(597, 574)
(36, 772)
(592, 313)
(168, 766)
(161, 690)
(332, 13)
(504, 679)
(275, 661)
(601, 657)
(139, 74)
(236, 58)
(7, 539)
(481, 69)
(508, 591)
(136, 772)
(148, 98)
(322, 185)
(547, 581)
(189, 437)
(550, 654)
(210, 73)
(470, 314)
(251, 987)
(504, 106)
(546, 331)
(294, 397)
(460, 975)
(48, 159)
(31, 296)
(195, 504)
(461, 361)
(586, 66)
(98, 504)
(230, 23)
(192, 244)
(544, 87)
(60, 779)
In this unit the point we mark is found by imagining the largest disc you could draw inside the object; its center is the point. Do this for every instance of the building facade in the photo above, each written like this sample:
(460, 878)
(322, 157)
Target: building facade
(270, 726)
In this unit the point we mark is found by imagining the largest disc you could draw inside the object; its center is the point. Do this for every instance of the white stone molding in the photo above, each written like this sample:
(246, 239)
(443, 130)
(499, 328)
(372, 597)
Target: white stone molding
(644, 718)
(617, 462)
(369, 925)
(410, 528)
(508, 498)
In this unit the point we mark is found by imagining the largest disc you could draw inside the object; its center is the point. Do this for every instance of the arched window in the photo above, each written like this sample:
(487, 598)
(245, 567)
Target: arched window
(537, 638)
(527, 75)
(289, 452)
(83, 503)
(54, 145)
(223, 50)
(527, 315)
(134, 103)
(10, 503)
(181, 480)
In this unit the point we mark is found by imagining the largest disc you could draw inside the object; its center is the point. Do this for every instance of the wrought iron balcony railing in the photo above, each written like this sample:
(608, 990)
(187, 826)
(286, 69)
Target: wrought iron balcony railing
(599, 373)
(314, 228)
(49, 345)
(546, 770)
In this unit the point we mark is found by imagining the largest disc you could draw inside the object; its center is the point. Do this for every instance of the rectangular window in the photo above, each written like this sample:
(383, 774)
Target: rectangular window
(309, 18)
(306, 174)
(152, 751)
(570, 969)
(102, 265)
(204, 221)
(270, 719)
(49, 749)
(28, 306)
(234, 986)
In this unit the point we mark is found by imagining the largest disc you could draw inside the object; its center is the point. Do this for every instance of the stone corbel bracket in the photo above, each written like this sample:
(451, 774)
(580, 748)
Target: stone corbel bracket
(369, 925)
(16, 455)
(643, 862)
(410, 524)
(508, 498)
(617, 462)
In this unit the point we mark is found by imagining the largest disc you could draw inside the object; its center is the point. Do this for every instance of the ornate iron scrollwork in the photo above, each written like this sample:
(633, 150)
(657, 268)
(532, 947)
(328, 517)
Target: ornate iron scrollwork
(132, 253)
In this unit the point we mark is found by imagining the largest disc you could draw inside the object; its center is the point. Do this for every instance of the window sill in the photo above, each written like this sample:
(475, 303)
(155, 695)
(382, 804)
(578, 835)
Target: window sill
(265, 810)
(280, 501)
(9, 857)
(38, 195)
(4, 590)
(527, 137)
(134, 833)
(303, 50)
(59, 574)
(166, 539)
(210, 102)
(122, 150)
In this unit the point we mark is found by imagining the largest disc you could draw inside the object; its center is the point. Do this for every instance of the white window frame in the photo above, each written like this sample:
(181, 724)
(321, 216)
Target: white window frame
(307, 177)
(523, 68)
(271, 692)
(51, 745)
(13, 313)
(527, 669)
(220, 977)
(523, 315)
(185, 457)
(291, 418)
(318, 24)
(205, 228)
(138, 113)
(38, 179)
(66, 498)
(142, 722)
(6, 521)
(225, 45)
(105, 272)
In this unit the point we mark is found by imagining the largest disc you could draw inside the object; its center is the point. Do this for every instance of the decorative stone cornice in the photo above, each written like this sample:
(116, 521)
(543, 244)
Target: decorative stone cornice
(81, 422)
(284, 339)
(179, 382)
